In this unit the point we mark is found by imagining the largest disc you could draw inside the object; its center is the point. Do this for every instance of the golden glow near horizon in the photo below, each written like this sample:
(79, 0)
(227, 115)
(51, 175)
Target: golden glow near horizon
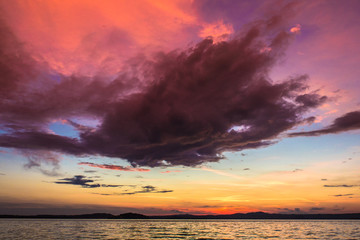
(203, 190)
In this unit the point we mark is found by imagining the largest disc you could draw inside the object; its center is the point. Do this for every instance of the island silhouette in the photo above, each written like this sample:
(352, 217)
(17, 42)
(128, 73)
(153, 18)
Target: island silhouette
(251, 215)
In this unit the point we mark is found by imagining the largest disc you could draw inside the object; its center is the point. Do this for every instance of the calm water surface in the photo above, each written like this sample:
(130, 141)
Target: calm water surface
(178, 229)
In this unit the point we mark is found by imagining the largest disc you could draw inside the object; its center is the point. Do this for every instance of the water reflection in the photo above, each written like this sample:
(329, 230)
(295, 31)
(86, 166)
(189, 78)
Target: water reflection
(178, 229)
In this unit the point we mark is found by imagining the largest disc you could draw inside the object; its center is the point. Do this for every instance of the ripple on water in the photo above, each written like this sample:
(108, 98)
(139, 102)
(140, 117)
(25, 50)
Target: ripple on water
(178, 229)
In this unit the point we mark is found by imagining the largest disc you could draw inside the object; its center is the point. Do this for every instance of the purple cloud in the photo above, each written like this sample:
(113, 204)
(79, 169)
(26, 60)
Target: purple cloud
(347, 122)
(177, 108)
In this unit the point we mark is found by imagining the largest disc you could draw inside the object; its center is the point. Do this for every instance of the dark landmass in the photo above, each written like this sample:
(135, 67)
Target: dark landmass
(253, 215)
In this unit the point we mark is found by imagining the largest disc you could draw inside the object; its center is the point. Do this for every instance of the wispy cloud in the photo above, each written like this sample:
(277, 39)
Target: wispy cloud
(114, 167)
(86, 182)
(219, 31)
(317, 209)
(171, 171)
(147, 189)
(347, 122)
(143, 189)
(341, 186)
(103, 194)
(46, 162)
(223, 173)
(290, 210)
(79, 180)
(343, 195)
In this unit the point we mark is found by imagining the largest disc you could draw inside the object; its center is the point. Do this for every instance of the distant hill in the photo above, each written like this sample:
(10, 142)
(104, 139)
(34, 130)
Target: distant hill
(252, 215)
(262, 215)
(81, 216)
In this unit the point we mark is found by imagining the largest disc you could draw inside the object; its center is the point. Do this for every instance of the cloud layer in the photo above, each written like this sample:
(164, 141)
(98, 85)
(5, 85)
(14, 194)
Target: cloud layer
(85, 182)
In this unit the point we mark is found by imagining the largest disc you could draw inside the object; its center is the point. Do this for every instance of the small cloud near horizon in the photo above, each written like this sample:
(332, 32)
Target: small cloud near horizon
(147, 189)
(341, 185)
(343, 195)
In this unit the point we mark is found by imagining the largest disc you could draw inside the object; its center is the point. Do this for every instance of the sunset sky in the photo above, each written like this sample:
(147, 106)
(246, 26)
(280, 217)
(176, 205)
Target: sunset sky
(168, 107)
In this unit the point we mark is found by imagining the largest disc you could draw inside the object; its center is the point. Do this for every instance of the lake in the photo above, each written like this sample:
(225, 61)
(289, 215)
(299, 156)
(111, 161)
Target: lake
(178, 229)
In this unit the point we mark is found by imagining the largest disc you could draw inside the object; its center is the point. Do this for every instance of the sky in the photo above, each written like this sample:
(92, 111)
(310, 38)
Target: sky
(179, 107)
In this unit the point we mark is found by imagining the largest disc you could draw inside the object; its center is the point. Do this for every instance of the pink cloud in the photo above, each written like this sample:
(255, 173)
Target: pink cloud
(218, 31)
(114, 167)
(296, 29)
(325, 115)
(89, 37)
(265, 50)
(169, 171)
(64, 121)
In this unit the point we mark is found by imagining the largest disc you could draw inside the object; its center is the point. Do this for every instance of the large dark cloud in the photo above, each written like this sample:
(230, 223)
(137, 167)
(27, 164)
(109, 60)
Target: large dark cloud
(347, 122)
(177, 108)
